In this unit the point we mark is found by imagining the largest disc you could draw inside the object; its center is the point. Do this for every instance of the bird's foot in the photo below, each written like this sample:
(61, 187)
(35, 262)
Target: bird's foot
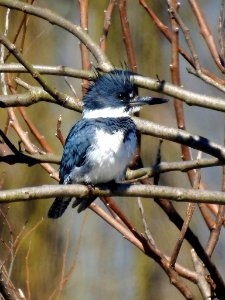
(91, 187)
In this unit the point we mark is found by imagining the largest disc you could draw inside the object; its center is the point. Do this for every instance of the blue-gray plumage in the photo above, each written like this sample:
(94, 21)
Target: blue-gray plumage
(101, 145)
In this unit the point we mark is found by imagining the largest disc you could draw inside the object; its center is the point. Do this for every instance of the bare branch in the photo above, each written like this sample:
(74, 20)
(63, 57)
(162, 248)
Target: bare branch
(85, 55)
(34, 95)
(60, 97)
(164, 167)
(145, 191)
(188, 97)
(127, 35)
(107, 22)
(181, 137)
(54, 19)
(206, 33)
(201, 275)
(167, 88)
(48, 70)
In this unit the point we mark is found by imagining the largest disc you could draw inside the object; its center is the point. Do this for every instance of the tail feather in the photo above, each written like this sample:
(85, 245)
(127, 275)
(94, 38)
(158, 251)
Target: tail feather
(83, 203)
(58, 207)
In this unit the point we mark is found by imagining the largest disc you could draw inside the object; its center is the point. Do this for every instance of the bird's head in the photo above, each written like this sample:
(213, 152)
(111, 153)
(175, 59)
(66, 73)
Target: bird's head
(115, 95)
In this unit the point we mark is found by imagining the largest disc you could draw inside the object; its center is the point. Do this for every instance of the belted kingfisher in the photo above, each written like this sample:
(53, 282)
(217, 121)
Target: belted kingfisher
(101, 145)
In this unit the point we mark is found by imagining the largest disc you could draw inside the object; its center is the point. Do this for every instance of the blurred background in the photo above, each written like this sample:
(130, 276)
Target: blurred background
(80, 253)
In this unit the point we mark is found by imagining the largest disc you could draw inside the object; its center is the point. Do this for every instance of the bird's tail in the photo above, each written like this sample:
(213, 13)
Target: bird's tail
(83, 203)
(58, 207)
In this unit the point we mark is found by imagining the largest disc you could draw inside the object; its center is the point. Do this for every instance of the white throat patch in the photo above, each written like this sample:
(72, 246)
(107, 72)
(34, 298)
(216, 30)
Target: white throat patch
(108, 113)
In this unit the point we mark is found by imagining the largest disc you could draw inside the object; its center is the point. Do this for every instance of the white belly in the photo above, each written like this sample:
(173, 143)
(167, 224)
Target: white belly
(110, 156)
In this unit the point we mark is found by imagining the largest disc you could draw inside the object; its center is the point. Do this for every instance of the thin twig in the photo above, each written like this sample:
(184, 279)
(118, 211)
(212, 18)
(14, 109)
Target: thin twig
(206, 33)
(203, 285)
(221, 32)
(107, 22)
(166, 32)
(186, 32)
(39, 137)
(58, 133)
(175, 74)
(85, 56)
(60, 97)
(28, 272)
(146, 228)
(216, 230)
(127, 35)
(189, 214)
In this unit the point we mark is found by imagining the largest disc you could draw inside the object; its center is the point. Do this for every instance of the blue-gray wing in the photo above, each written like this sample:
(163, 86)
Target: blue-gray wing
(75, 149)
(74, 155)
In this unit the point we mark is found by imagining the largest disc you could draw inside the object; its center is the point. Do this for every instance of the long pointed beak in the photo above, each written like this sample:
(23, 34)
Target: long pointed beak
(139, 101)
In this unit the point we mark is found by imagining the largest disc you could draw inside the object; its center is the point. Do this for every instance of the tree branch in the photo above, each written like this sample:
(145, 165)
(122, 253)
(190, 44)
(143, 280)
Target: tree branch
(189, 97)
(181, 137)
(182, 166)
(54, 19)
(123, 189)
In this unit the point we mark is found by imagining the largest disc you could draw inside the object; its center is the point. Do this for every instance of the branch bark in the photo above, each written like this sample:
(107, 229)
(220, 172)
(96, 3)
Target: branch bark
(123, 189)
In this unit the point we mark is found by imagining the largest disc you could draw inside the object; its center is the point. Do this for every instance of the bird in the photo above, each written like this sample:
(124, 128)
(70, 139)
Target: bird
(100, 147)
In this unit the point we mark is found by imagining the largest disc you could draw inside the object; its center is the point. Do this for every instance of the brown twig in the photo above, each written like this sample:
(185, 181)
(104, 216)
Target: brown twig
(127, 35)
(107, 22)
(189, 214)
(39, 137)
(58, 133)
(215, 232)
(206, 33)
(198, 69)
(85, 56)
(22, 25)
(186, 155)
(221, 32)
(26, 141)
(166, 32)
(146, 228)
(28, 273)
(110, 203)
(21, 238)
(186, 33)
(206, 216)
(175, 72)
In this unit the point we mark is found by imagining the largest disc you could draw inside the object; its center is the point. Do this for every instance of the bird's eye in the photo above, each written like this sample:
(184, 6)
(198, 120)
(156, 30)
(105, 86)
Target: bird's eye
(131, 95)
(121, 96)
(126, 96)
